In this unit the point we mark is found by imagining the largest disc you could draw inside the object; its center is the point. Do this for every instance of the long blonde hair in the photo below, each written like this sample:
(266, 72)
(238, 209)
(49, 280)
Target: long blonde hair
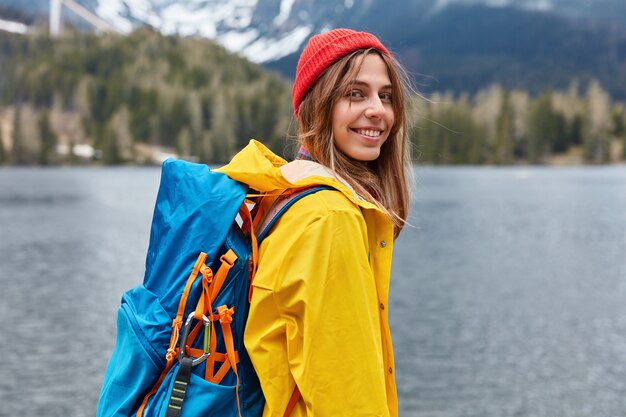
(384, 181)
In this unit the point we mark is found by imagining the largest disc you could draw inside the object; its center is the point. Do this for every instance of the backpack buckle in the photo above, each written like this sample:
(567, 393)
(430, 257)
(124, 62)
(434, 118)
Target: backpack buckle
(207, 339)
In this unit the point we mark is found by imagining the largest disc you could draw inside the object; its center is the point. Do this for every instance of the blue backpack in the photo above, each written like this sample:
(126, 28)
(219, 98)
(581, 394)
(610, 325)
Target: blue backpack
(179, 348)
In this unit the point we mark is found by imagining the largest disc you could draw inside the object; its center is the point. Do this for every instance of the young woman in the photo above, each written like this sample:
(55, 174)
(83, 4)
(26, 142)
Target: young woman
(319, 313)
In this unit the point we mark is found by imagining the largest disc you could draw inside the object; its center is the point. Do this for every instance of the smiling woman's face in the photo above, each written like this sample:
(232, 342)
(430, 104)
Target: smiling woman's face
(363, 117)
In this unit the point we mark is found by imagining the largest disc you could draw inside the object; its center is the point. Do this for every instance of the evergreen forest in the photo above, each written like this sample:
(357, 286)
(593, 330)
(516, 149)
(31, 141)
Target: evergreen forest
(110, 99)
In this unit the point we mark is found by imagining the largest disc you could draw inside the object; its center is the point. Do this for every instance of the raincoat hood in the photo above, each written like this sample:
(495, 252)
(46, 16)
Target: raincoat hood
(264, 171)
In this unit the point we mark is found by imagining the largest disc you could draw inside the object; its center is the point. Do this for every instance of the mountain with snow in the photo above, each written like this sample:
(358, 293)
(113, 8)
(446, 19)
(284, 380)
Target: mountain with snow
(268, 30)
(236, 24)
(260, 30)
(459, 45)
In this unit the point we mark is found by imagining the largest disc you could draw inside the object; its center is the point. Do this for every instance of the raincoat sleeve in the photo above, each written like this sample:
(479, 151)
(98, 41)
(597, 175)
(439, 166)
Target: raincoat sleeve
(326, 295)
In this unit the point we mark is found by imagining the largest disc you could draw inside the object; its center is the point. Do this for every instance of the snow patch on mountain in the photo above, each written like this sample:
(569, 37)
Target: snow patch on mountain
(13, 27)
(191, 17)
(236, 41)
(227, 22)
(112, 12)
(266, 50)
(178, 19)
(538, 5)
(285, 11)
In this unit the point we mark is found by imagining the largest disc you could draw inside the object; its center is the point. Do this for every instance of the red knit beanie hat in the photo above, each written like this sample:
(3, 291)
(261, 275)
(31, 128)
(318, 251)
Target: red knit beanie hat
(322, 51)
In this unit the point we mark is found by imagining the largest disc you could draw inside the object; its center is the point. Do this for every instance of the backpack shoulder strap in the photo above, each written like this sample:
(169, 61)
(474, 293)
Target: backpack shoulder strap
(280, 206)
(295, 397)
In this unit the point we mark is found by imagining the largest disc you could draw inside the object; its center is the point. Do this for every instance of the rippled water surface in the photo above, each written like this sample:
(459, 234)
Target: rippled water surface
(508, 294)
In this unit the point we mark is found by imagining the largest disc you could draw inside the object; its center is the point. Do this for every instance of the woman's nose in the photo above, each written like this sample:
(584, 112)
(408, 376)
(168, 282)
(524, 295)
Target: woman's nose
(375, 108)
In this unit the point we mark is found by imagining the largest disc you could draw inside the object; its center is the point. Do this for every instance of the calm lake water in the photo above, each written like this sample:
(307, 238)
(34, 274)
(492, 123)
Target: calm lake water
(508, 294)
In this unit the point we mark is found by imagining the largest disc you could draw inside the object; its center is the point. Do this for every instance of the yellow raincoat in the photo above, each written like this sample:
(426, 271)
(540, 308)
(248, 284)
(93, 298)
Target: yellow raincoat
(319, 313)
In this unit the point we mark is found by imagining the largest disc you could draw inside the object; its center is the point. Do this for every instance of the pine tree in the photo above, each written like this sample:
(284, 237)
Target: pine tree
(142, 105)
(575, 130)
(3, 156)
(195, 124)
(618, 131)
(542, 130)
(619, 128)
(519, 101)
(48, 140)
(423, 138)
(560, 140)
(19, 154)
(504, 135)
(488, 104)
(183, 143)
(110, 147)
(596, 144)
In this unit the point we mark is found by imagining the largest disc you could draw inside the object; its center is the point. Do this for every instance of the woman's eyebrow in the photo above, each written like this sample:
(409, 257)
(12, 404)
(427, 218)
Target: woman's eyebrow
(365, 84)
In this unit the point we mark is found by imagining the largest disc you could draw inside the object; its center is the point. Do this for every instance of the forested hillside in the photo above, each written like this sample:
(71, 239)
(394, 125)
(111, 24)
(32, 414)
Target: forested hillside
(126, 95)
(498, 126)
(136, 99)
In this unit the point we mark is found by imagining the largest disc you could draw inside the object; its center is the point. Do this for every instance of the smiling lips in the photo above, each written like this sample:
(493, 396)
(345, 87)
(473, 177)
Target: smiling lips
(369, 132)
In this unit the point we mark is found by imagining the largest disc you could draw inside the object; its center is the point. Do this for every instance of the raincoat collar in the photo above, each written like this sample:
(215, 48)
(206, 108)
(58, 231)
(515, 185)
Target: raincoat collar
(264, 171)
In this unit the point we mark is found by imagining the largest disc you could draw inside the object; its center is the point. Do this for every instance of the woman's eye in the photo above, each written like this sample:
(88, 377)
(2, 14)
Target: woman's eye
(355, 94)
(386, 96)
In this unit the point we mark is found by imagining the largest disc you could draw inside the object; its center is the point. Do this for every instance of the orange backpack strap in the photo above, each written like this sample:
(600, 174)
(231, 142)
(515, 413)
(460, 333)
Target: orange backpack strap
(226, 319)
(228, 260)
(248, 226)
(295, 397)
